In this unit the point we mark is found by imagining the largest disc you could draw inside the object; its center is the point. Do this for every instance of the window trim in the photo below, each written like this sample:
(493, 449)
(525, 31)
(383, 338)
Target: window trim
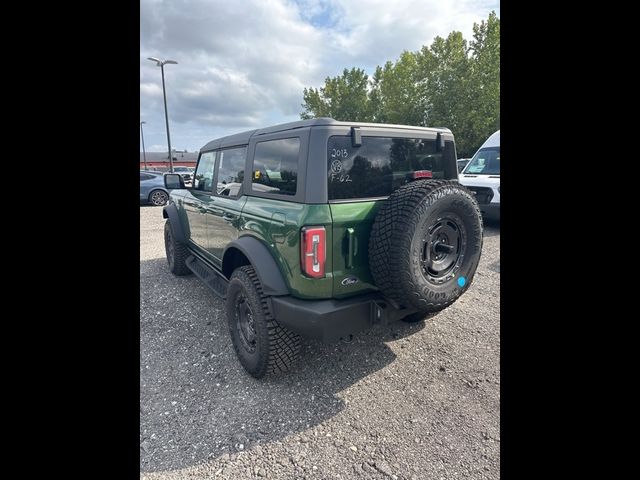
(359, 199)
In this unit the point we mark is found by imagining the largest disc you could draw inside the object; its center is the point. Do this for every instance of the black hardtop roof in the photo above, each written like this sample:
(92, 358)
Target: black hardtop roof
(243, 137)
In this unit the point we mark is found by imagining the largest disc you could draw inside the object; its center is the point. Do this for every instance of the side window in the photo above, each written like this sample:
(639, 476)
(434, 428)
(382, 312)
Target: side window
(203, 179)
(275, 166)
(231, 171)
(145, 176)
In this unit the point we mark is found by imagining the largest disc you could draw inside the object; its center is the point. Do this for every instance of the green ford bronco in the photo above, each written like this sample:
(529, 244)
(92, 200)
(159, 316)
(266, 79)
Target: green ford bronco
(320, 229)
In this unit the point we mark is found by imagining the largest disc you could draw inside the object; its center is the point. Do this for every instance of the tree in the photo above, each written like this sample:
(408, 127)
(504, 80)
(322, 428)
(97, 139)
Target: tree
(484, 81)
(342, 98)
(451, 84)
(395, 92)
(444, 85)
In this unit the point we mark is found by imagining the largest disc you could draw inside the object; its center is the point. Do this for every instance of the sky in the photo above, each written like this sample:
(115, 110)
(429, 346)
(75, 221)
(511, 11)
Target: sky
(244, 64)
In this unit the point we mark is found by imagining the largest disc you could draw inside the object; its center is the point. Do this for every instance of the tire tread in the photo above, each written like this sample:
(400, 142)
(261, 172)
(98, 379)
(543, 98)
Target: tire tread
(284, 345)
(392, 234)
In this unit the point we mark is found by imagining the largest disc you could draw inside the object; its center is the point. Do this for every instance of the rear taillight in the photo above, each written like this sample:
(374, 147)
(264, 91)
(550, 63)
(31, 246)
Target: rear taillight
(313, 251)
(421, 174)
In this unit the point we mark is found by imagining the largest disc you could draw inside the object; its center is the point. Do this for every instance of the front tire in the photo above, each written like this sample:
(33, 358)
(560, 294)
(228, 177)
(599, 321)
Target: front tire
(261, 343)
(176, 251)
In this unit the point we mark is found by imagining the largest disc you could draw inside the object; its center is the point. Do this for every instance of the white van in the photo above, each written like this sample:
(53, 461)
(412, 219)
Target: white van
(482, 175)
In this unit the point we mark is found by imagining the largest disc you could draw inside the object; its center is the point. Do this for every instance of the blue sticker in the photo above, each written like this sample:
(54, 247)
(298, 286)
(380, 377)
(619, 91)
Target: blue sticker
(461, 281)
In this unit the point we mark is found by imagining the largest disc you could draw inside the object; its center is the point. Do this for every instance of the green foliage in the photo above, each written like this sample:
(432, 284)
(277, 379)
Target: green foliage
(394, 90)
(444, 95)
(451, 84)
(343, 98)
(485, 80)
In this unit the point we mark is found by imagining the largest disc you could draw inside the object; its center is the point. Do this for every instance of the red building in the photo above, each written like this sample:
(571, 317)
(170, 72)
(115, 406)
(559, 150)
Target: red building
(159, 160)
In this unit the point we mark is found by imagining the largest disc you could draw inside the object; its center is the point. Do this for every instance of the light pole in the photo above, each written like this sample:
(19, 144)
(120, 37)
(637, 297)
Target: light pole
(161, 64)
(144, 154)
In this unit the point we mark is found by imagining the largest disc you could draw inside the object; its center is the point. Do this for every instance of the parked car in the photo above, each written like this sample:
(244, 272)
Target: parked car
(482, 176)
(186, 172)
(462, 162)
(321, 229)
(152, 188)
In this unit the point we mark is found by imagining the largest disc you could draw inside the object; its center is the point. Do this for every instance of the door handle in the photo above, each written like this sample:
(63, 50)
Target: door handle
(228, 218)
(353, 246)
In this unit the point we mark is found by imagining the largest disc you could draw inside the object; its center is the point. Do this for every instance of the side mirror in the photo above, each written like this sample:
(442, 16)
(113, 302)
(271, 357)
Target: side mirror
(173, 181)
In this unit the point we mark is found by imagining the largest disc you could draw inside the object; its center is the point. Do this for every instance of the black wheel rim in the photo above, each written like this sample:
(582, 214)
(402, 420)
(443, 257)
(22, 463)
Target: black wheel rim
(443, 249)
(245, 323)
(170, 247)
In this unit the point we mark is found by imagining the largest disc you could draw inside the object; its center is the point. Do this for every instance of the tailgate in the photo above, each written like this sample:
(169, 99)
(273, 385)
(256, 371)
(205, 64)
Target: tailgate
(352, 224)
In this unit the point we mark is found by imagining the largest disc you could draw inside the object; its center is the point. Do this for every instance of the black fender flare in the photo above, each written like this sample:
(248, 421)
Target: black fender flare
(171, 212)
(266, 268)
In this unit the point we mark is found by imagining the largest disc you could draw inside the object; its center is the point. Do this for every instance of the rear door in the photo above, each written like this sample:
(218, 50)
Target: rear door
(351, 229)
(359, 180)
(225, 206)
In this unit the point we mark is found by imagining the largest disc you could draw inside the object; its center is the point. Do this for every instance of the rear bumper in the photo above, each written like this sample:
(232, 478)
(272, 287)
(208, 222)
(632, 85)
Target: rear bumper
(329, 320)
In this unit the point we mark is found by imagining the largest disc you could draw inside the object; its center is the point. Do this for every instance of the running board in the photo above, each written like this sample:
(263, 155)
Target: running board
(210, 276)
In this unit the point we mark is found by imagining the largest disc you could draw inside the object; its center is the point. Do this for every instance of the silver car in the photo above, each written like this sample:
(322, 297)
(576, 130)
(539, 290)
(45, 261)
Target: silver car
(152, 188)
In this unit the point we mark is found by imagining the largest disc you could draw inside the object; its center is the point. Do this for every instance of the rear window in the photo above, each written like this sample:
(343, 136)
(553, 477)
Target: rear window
(382, 164)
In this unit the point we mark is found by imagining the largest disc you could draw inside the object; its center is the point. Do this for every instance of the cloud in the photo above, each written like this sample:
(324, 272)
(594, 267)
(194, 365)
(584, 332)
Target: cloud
(244, 64)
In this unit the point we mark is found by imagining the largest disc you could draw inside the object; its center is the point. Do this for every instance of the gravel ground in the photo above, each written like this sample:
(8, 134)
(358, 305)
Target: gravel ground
(401, 401)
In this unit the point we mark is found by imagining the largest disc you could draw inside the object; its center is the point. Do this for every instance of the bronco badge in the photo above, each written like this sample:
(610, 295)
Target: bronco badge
(350, 281)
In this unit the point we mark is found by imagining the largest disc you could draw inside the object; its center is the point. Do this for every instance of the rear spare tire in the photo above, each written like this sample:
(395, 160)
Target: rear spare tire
(425, 244)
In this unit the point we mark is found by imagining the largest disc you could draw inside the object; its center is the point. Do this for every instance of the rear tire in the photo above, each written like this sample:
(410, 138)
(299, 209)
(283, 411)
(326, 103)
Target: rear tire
(261, 343)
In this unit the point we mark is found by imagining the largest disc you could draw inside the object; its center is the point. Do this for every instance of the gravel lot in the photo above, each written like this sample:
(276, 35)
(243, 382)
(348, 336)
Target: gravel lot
(401, 401)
